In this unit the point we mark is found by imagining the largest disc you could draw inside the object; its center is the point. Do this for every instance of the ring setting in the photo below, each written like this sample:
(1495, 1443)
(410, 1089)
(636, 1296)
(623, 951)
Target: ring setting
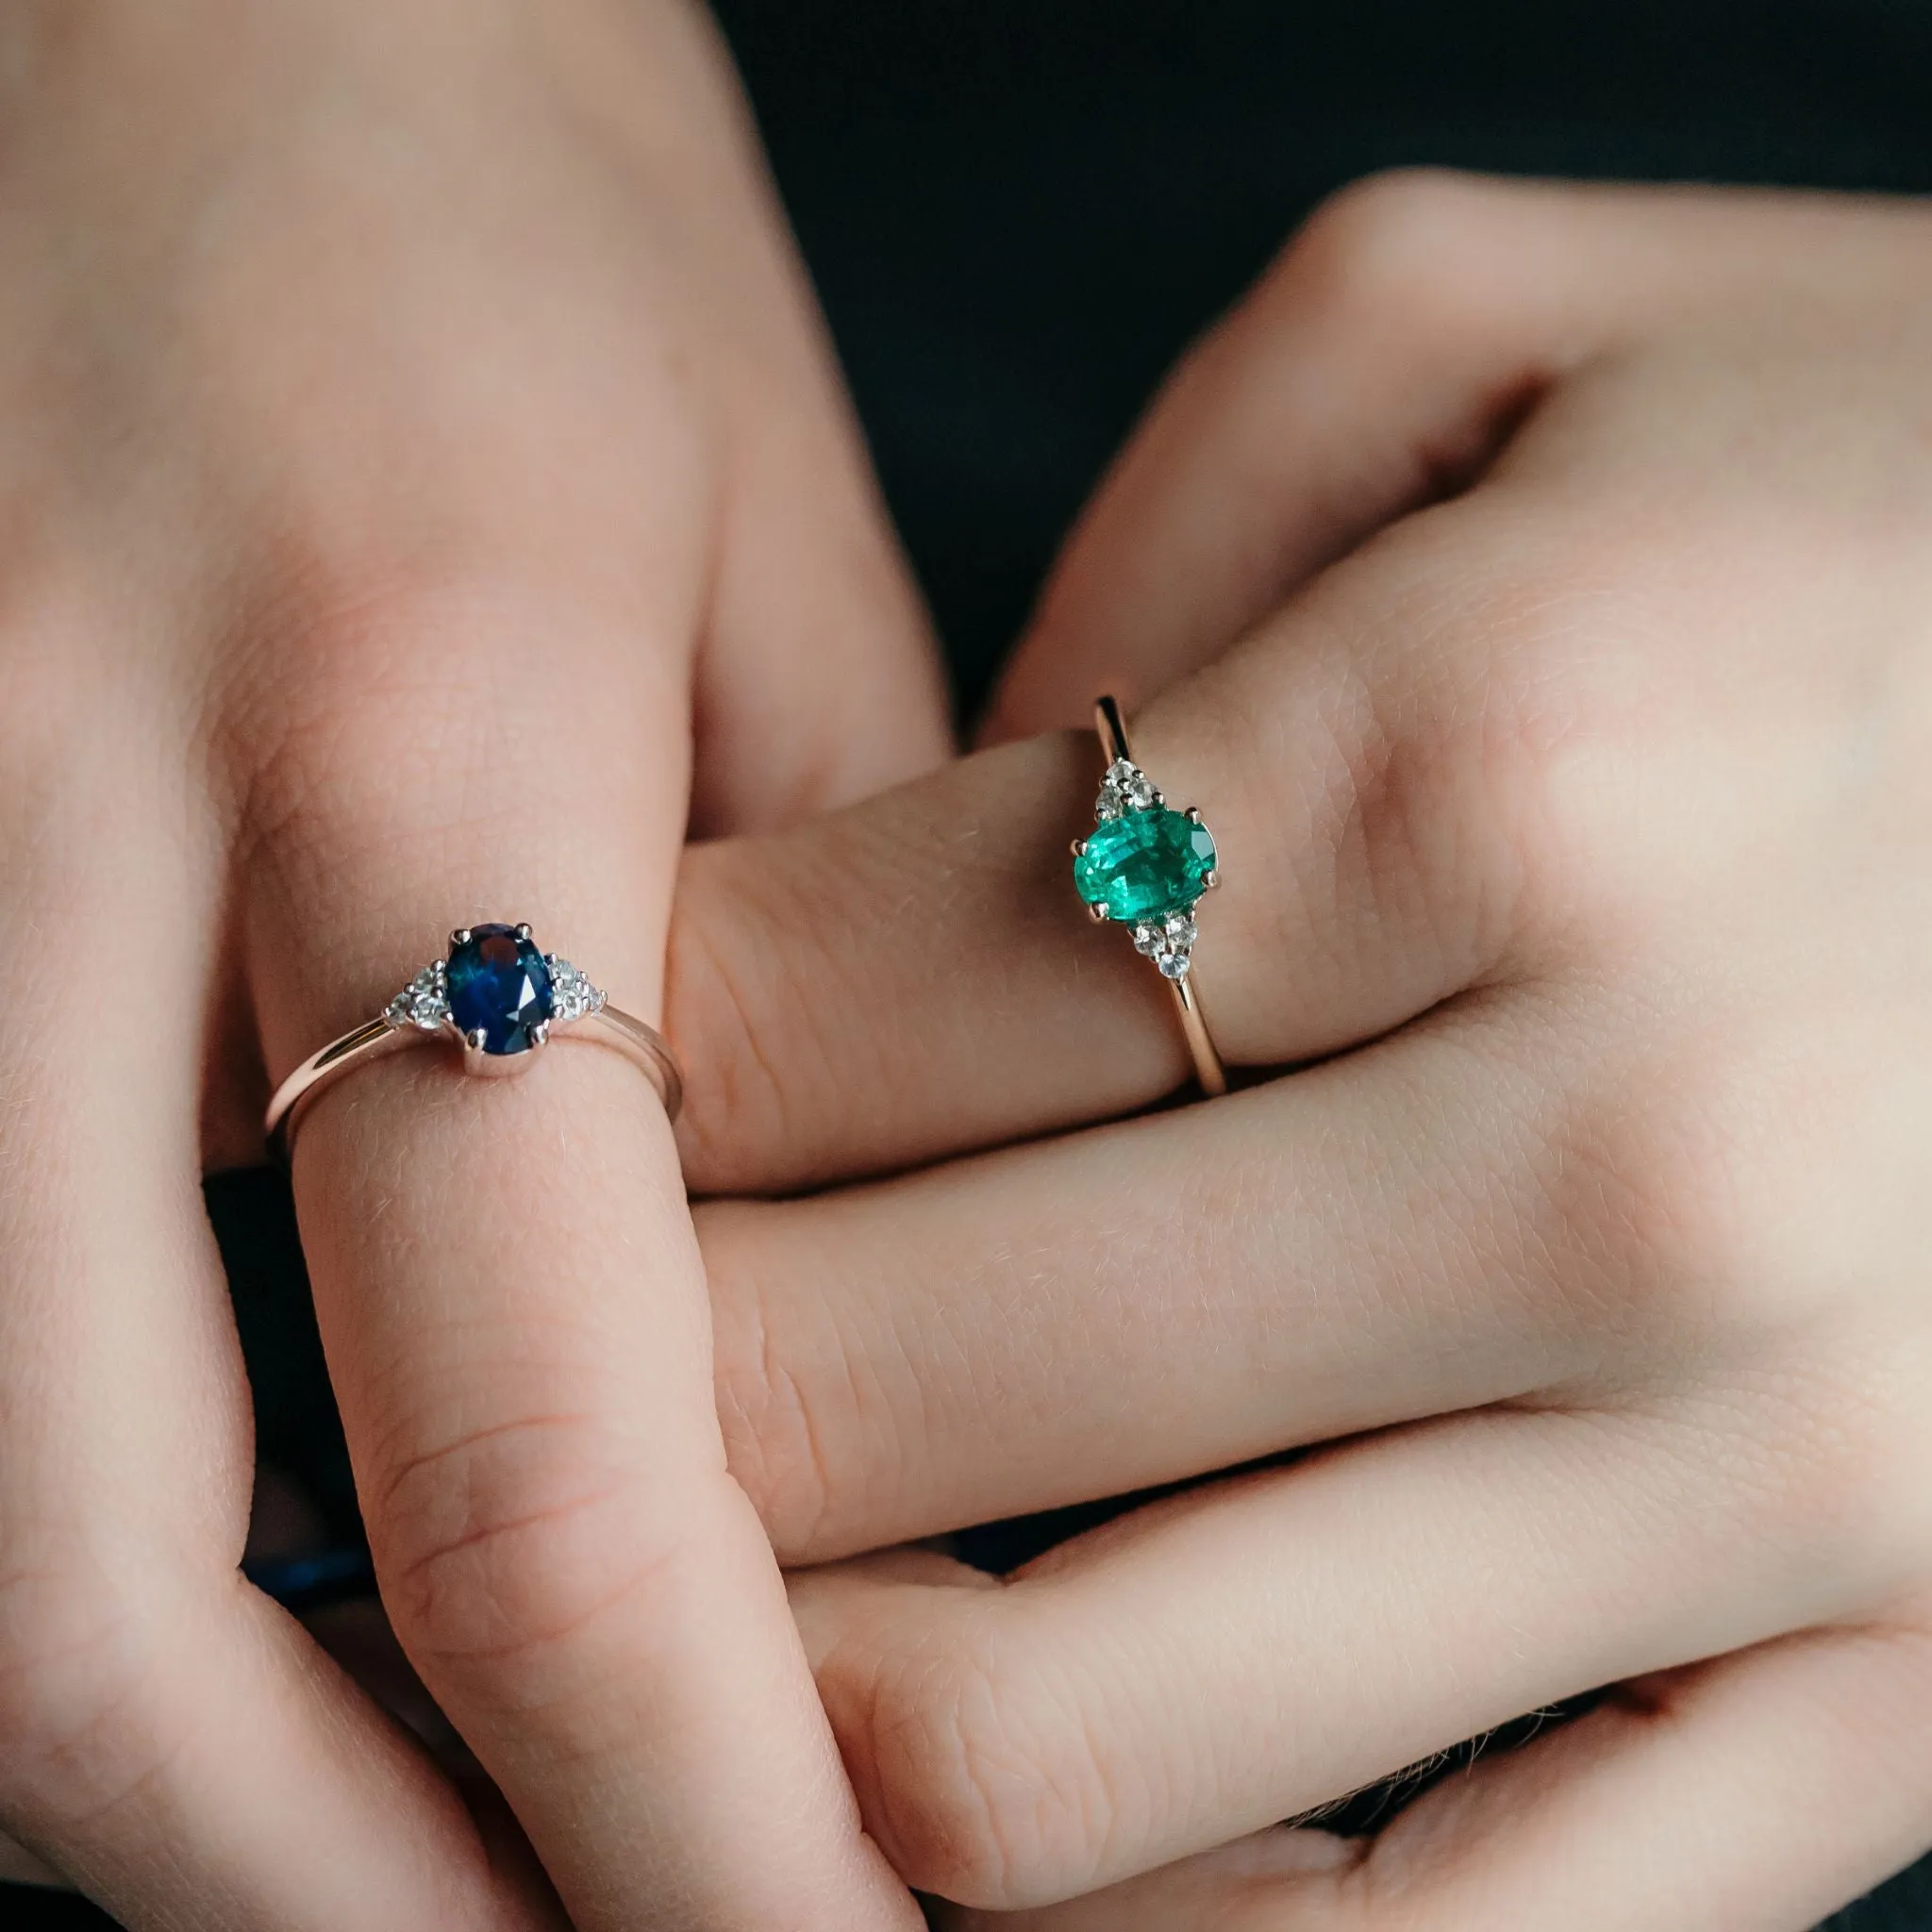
(497, 994)
(1146, 866)
(502, 1000)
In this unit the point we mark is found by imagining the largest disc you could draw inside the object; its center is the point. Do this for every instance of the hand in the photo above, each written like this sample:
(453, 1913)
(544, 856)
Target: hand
(1573, 837)
(425, 482)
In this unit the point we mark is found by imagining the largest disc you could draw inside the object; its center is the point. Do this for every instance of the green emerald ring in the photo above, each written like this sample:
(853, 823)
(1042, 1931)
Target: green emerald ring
(1146, 866)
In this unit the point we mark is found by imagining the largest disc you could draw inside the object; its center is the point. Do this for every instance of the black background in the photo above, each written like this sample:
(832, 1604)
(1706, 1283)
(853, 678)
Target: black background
(1018, 211)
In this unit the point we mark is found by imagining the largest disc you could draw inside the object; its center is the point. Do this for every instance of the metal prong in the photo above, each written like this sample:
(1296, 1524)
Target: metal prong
(1097, 914)
(523, 930)
(1159, 799)
(1209, 880)
(1079, 848)
(460, 937)
(475, 1059)
(475, 1039)
(540, 1033)
(1193, 814)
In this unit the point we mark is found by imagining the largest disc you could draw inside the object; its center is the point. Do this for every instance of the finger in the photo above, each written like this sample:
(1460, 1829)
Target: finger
(1764, 1789)
(1236, 1656)
(1375, 367)
(818, 680)
(510, 1299)
(917, 975)
(170, 1739)
(1112, 1310)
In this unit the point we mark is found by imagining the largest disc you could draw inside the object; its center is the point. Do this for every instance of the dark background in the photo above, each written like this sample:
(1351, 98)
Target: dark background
(1018, 211)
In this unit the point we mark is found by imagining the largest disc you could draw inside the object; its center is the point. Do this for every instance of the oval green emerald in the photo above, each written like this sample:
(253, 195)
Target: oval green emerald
(1144, 865)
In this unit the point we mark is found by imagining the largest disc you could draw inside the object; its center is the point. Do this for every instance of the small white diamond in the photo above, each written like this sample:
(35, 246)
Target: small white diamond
(1170, 944)
(572, 995)
(425, 1002)
(1126, 787)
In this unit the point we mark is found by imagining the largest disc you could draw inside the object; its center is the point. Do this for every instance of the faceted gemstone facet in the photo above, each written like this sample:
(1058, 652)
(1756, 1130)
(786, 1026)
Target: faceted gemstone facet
(499, 983)
(1143, 865)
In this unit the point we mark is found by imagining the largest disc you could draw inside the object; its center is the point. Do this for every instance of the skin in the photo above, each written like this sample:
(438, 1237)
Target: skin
(392, 526)
(1535, 586)
(425, 491)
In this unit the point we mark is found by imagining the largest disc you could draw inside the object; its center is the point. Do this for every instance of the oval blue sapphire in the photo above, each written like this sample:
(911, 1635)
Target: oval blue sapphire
(498, 983)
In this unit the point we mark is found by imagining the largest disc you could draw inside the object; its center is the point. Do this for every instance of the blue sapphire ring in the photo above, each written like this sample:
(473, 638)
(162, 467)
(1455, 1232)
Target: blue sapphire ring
(501, 1000)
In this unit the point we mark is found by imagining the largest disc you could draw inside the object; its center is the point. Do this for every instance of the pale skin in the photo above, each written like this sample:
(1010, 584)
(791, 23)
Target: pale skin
(1575, 828)
(398, 528)
(425, 490)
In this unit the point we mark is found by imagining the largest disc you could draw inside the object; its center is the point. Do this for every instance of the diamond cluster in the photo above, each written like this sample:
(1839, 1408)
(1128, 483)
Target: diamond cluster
(1170, 944)
(425, 1002)
(1126, 787)
(573, 995)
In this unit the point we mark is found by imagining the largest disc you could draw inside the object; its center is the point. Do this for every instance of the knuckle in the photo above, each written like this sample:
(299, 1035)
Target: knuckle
(775, 1434)
(356, 705)
(364, 709)
(719, 1004)
(1402, 236)
(746, 972)
(1649, 1180)
(1497, 733)
(498, 1552)
(1684, 1171)
(80, 1727)
(982, 1788)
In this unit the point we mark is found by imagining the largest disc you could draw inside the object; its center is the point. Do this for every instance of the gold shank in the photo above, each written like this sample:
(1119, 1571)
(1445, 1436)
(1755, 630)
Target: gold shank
(1209, 1069)
(643, 1046)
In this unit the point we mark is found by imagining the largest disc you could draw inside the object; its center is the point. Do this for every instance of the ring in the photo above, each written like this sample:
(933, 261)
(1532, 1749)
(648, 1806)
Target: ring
(500, 1000)
(1147, 866)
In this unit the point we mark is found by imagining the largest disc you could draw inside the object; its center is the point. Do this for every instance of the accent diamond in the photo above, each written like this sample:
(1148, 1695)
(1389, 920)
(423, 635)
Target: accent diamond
(425, 1002)
(1169, 943)
(1126, 787)
(573, 995)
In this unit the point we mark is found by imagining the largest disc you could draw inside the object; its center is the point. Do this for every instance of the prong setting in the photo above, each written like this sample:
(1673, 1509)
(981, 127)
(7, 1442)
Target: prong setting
(459, 936)
(522, 929)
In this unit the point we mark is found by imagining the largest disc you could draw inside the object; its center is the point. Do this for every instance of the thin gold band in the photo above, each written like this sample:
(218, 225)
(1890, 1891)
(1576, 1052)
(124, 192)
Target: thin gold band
(1207, 1068)
(643, 1046)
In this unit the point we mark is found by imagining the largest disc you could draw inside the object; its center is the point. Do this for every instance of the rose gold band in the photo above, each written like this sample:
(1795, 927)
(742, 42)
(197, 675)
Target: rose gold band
(1209, 1070)
(643, 1046)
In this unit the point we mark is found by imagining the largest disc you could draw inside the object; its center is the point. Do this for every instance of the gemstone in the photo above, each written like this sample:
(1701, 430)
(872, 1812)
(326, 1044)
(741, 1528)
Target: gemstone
(572, 994)
(1170, 944)
(1126, 787)
(423, 1003)
(1143, 865)
(499, 983)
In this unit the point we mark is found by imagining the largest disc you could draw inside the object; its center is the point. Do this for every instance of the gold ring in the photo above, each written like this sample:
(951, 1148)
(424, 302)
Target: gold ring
(499, 999)
(1147, 866)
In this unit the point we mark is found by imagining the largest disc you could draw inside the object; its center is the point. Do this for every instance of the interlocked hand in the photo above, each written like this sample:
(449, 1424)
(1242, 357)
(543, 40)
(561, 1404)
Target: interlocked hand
(1573, 834)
